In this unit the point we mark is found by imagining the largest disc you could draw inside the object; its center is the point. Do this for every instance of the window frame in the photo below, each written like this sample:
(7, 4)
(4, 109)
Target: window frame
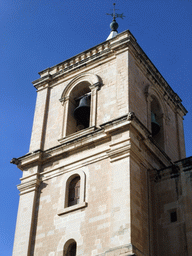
(63, 200)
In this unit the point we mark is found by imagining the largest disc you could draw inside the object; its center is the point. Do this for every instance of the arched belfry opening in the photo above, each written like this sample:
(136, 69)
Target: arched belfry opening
(79, 108)
(79, 100)
(157, 122)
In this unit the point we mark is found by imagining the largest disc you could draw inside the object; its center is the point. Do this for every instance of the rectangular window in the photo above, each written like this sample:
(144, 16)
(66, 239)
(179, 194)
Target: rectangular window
(173, 216)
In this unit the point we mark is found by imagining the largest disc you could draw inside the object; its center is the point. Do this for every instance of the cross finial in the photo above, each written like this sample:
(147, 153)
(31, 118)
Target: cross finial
(114, 11)
(114, 25)
(115, 15)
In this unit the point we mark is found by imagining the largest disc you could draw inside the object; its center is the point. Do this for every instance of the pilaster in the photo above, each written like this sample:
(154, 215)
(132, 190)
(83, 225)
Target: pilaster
(25, 217)
(39, 123)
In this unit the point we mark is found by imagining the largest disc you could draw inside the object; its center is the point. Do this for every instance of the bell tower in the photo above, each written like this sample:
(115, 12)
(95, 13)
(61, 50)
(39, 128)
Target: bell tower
(105, 122)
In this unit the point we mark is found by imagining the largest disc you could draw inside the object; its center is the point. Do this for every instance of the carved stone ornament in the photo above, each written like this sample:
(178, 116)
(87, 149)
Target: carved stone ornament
(130, 116)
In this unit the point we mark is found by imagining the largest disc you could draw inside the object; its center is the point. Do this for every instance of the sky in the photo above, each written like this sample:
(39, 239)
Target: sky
(39, 34)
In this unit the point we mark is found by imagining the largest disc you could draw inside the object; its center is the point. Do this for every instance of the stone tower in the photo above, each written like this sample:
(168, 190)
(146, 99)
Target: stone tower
(96, 182)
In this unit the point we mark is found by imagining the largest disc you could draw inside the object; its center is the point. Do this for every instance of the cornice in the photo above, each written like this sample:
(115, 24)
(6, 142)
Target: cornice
(173, 171)
(83, 56)
(87, 57)
(94, 136)
(31, 158)
(152, 73)
(41, 82)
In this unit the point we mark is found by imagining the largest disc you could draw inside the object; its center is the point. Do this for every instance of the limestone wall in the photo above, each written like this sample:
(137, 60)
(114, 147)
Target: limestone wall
(103, 224)
(141, 89)
(119, 211)
(172, 210)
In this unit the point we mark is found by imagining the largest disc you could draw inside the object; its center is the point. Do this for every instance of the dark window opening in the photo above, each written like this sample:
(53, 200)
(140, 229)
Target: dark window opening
(157, 123)
(173, 216)
(155, 127)
(74, 191)
(72, 249)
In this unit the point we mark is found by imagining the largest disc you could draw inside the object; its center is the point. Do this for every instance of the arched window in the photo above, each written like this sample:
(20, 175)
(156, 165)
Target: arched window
(74, 191)
(70, 248)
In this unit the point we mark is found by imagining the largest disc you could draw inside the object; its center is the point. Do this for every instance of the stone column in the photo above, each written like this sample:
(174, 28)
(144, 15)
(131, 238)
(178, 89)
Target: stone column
(65, 103)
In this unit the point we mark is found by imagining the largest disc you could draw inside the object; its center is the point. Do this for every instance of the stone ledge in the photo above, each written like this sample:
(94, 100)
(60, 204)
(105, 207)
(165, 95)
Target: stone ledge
(77, 135)
(72, 208)
(125, 250)
(92, 135)
(29, 186)
(173, 171)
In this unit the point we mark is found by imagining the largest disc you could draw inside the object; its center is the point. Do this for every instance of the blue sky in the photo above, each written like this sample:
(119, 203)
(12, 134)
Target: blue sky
(41, 33)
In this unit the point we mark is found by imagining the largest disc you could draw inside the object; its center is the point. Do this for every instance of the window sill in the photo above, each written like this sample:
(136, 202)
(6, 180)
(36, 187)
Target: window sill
(72, 208)
(78, 134)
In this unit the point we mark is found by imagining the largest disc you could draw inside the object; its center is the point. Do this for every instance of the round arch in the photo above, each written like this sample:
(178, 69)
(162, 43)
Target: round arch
(70, 248)
(91, 79)
(153, 93)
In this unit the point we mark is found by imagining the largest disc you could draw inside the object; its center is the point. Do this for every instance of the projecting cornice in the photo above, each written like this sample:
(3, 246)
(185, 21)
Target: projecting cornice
(93, 135)
(173, 171)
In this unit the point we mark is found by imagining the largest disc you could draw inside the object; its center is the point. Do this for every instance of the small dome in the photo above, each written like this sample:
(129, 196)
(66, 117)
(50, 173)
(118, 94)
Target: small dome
(114, 25)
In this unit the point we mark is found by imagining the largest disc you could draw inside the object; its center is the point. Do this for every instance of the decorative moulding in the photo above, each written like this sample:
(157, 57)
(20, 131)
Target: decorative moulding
(92, 135)
(29, 186)
(92, 79)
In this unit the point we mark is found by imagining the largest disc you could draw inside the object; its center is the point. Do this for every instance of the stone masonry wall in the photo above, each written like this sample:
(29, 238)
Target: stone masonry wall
(103, 224)
(112, 100)
(138, 84)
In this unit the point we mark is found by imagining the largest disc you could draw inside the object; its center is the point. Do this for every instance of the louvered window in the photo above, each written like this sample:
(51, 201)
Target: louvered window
(74, 191)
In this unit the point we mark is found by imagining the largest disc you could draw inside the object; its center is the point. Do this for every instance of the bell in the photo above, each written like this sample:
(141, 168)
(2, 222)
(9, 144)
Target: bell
(82, 112)
(155, 127)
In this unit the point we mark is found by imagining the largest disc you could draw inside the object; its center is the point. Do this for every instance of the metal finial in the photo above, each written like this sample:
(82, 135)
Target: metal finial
(114, 25)
(115, 15)
(114, 12)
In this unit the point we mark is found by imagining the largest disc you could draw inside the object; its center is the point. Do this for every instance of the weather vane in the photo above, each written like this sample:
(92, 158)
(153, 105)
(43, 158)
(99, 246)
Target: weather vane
(115, 15)
(114, 25)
